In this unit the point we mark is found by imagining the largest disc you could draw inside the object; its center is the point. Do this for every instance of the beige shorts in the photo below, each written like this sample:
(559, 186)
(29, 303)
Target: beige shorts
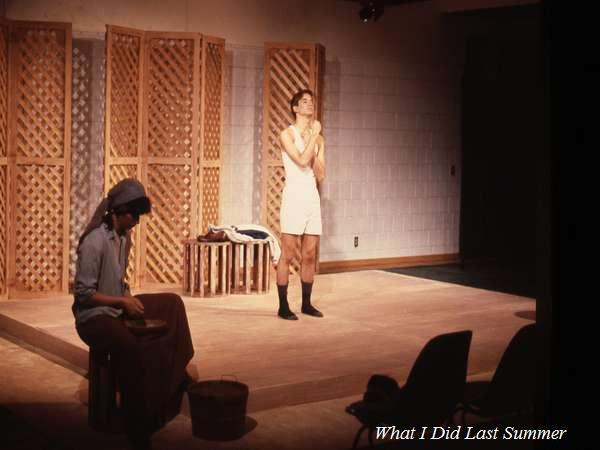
(301, 212)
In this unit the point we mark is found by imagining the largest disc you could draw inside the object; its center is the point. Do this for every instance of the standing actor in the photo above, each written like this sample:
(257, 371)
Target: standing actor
(303, 158)
(151, 375)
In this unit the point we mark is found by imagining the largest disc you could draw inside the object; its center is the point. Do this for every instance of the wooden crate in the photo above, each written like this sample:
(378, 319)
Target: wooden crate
(251, 267)
(206, 268)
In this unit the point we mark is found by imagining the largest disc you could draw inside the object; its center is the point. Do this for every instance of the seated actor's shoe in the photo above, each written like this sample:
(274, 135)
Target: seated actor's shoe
(140, 442)
(311, 311)
(287, 315)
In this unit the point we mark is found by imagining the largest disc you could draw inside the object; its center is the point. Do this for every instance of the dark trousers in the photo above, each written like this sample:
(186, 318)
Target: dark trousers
(150, 372)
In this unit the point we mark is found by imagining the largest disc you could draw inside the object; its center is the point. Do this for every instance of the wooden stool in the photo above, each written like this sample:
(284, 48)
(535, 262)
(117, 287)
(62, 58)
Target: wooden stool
(251, 267)
(104, 400)
(103, 409)
(206, 268)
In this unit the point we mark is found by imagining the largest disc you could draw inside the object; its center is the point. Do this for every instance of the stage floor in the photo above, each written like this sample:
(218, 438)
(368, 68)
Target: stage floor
(375, 322)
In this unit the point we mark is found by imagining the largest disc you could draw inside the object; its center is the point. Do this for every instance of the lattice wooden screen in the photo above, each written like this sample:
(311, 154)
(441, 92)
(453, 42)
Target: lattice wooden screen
(171, 84)
(213, 59)
(123, 123)
(287, 69)
(178, 97)
(80, 145)
(87, 137)
(4, 232)
(39, 157)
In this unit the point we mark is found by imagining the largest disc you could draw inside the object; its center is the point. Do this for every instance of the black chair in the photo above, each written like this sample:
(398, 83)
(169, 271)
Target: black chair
(510, 392)
(434, 387)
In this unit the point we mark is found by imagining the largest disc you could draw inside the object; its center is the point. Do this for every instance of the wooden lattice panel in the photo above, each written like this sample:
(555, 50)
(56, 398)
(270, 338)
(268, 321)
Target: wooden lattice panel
(3, 226)
(116, 174)
(39, 237)
(172, 83)
(124, 62)
(81, 113)
(287, 69)
(179, 84)
(169, 187)
(3, 90)
(39, 92)
(120, 172)
(170, 89)
(210, 196)
(211, 127)
(3, 160)
(213, 100)
(275, 182)
(124, 120)
(40, 56)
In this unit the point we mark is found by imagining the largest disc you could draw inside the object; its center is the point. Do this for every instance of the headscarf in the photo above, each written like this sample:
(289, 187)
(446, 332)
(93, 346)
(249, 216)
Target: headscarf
(123, 192)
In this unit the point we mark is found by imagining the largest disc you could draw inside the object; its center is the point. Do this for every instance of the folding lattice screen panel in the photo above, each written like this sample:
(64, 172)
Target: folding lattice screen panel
(87, 137)
(123, 122)
(213, 60)
(39, 157)
(4, 232)
(177, 98)
(287, 69)
(171, 95)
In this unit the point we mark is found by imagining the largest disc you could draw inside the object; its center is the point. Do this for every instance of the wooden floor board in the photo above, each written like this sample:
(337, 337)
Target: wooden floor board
(375, 321)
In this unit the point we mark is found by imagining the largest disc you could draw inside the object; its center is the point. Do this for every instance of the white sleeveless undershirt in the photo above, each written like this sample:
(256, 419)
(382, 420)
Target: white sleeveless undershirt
(296, 176)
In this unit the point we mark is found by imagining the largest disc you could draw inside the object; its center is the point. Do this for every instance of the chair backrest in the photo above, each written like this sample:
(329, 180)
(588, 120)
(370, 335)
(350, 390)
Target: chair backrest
(438, 377)
(512, 385)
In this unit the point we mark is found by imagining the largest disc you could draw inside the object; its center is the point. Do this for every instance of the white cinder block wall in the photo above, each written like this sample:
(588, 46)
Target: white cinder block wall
(242, 128)
(392, 135)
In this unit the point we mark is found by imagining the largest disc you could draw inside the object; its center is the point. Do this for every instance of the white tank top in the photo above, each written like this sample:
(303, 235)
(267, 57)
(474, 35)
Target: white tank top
(296, 176)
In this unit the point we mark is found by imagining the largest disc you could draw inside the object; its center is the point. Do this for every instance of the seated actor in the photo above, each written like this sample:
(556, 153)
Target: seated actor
(151, 374)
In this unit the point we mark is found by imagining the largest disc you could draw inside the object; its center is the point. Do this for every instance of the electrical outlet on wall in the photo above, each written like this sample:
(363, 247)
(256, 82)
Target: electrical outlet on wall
(355, 241)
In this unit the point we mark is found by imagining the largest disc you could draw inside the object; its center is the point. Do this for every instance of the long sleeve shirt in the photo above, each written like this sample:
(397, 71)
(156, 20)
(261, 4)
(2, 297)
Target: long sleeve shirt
(99, 269)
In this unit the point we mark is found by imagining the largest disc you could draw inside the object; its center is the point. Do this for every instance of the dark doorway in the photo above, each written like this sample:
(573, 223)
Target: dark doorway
(502, 116)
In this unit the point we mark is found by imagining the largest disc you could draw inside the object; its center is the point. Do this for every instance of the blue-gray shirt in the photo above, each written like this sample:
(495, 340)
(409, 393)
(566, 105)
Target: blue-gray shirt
(99, 269)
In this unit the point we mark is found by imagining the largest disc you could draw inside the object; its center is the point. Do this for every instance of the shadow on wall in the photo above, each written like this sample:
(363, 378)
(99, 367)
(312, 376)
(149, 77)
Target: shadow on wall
(331, 123)
(257, 147)
(227, 147)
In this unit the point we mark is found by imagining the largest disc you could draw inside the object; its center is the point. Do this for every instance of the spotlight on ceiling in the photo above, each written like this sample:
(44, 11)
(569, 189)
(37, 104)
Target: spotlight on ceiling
(371, 10)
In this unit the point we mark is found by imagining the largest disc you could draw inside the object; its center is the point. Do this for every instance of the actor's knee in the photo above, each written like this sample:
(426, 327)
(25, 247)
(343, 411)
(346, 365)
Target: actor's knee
(129, 352)
(285, 259)
(173, 298)
(308, 257)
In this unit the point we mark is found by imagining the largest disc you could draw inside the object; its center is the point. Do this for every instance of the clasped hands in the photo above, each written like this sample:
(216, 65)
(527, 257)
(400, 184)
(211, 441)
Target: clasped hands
(133, 306)
(315, 127)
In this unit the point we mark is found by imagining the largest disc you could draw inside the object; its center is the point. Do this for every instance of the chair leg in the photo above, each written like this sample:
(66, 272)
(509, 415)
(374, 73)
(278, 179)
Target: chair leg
(357, 437)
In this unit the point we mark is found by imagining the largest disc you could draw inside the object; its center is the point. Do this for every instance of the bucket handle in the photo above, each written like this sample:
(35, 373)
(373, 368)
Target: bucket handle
(228, 375)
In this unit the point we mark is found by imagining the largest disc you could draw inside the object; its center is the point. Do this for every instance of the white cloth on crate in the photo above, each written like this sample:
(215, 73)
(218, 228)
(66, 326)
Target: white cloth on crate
(240, 238)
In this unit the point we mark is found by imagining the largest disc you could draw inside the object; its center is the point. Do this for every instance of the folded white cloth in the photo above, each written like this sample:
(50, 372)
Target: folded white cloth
(234, 236)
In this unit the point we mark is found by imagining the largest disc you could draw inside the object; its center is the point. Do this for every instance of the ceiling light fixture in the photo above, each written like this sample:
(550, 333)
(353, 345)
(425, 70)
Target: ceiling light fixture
(371, 10)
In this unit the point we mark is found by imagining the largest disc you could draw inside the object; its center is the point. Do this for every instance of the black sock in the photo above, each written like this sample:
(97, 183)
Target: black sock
(306, 292)
(283, 301)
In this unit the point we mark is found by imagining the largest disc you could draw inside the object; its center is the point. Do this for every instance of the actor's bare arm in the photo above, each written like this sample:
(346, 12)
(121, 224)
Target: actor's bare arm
(319, 161)
(132, 306)
(305, 158)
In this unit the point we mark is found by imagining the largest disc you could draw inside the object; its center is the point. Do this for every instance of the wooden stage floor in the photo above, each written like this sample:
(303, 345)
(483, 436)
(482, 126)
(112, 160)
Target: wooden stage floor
(375, 322)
